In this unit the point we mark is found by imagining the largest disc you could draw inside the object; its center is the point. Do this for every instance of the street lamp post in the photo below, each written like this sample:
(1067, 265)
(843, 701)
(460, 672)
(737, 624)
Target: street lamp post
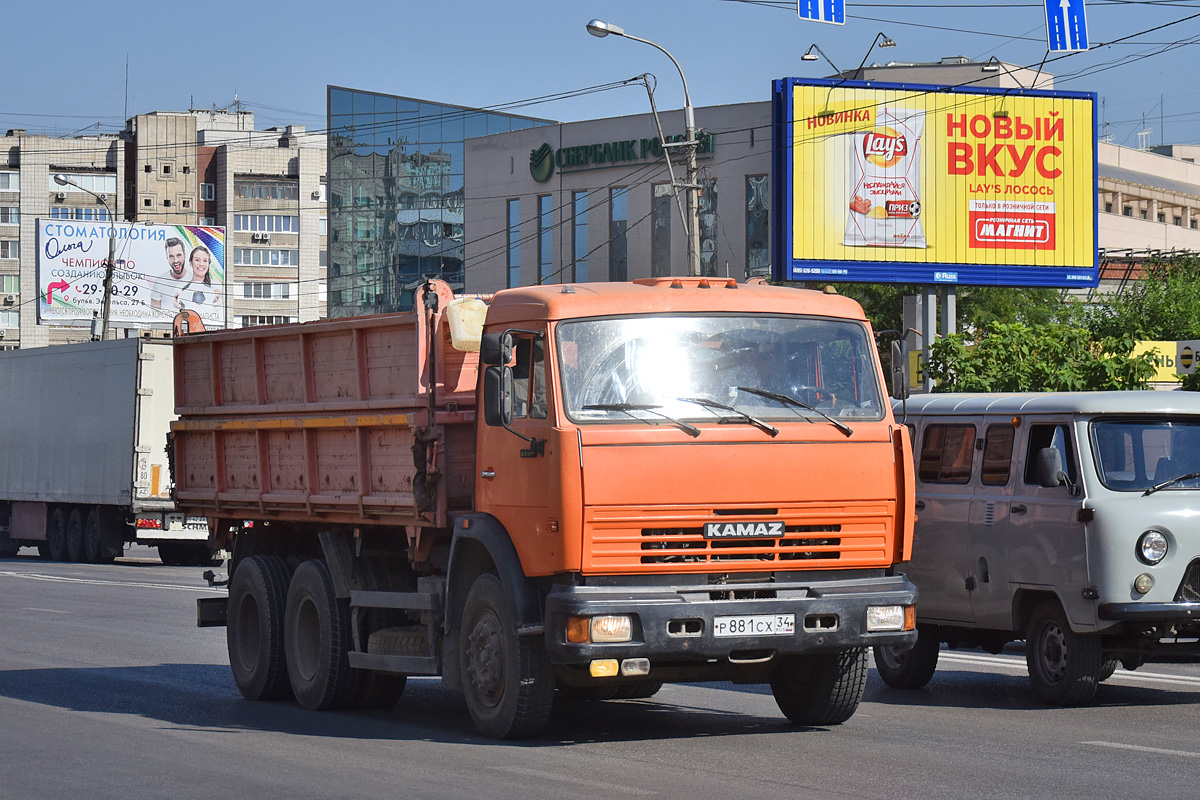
(106, 303)
(600, 29)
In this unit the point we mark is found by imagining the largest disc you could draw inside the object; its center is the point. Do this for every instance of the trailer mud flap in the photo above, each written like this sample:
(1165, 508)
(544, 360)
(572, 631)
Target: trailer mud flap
(211, 612)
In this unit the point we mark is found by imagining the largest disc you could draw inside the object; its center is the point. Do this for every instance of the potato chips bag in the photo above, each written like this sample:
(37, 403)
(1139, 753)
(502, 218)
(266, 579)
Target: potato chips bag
(885, 174)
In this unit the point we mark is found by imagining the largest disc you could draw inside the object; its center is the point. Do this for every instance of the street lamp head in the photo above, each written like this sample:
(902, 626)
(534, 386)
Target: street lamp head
(599, 28)
(992, 65)
(887, 41)
(809, 55)
(61, 180)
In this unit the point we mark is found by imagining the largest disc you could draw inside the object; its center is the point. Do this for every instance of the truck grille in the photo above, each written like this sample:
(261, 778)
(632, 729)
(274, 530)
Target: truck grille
(688, 545)
(1189, 588)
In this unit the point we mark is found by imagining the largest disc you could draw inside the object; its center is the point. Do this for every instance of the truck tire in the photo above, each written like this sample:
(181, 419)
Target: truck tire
(1064, 666)
(95, 545)
(317, 639)
(821, 689)
(75, 536)
(56, 536)
(507, 679)
(908, 669)
(254, 632)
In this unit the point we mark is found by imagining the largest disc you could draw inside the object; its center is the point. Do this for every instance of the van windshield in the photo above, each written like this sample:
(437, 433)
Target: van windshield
(616, 367)
(1135, 454)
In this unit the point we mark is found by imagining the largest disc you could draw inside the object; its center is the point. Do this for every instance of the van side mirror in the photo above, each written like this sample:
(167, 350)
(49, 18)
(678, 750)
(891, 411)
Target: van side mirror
(1049, 468)
(498, 395)
(496, 348)
(900, 388)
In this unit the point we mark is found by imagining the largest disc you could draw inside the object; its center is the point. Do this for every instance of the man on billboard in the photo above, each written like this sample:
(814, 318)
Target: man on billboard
(168, 286)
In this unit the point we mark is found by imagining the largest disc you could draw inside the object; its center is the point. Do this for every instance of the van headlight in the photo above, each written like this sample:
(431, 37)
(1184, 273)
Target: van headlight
(1152, 547)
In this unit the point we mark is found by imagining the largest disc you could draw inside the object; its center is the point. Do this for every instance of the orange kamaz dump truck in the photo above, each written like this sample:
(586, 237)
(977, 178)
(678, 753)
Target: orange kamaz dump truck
(555, 493)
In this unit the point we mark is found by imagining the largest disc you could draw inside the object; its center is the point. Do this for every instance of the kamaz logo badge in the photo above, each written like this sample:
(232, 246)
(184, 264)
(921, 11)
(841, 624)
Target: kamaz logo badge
(744, 530)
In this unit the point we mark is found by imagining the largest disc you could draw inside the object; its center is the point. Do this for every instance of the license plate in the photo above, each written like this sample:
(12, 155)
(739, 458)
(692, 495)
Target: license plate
(745, 529)
(755, 625)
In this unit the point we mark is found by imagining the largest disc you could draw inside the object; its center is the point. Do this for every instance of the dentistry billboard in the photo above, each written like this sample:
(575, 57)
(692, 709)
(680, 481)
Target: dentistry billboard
(160, 271)
(905, 183)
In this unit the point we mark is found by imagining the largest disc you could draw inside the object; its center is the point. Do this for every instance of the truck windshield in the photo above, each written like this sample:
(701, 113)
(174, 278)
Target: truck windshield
(667, 362)
(1135, 454)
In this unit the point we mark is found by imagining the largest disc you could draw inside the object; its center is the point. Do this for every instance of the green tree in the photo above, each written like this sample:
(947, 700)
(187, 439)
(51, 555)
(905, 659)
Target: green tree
(1054, 357)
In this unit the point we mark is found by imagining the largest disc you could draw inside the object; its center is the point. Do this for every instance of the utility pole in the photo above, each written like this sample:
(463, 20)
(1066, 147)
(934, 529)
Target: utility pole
(106, 303)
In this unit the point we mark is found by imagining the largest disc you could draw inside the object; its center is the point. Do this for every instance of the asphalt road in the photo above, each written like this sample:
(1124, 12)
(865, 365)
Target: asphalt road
(107, 690)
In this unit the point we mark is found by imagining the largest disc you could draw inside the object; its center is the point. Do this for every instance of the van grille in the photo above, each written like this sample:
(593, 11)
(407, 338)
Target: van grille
(1189, 588)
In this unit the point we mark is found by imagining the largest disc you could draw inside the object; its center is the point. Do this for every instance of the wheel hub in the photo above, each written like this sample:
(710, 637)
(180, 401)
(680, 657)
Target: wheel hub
(1053, 653)
(485, 659)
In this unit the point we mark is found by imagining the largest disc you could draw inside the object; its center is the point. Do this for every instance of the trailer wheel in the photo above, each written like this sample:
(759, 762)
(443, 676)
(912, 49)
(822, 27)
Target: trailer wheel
(254, 632)
(95, 544)
(317, 638)
(908, 669)
(56, 537)
(821, 689)
(507, 679)
(1064, 666)
(75, 536)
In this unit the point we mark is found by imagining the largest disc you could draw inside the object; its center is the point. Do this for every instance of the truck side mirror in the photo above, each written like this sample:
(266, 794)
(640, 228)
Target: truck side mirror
(496, 348)
(900, 388)
(1049, 468)
(497, 395)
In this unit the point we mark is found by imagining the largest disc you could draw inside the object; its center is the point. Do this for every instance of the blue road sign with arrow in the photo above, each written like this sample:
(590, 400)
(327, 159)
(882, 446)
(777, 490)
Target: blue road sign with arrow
(831, 11)
(1066, 25)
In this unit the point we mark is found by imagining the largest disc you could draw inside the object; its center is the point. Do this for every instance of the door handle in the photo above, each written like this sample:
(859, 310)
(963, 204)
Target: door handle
(487, 473)
(920, 505)
(1019, 508)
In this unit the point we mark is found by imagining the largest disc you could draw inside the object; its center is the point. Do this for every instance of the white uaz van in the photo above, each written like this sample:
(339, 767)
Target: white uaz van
(1070, 520)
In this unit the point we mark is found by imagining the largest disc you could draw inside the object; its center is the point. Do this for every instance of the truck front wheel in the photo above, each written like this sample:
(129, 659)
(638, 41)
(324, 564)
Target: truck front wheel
(254, 632)
(1064, 666)
(908, 669)
(507, 679)
(317, 638)
(821, 689)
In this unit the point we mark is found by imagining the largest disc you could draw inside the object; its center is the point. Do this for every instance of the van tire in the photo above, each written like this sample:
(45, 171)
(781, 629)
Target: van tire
(908, 669)
(820, 689)
(1064, 666)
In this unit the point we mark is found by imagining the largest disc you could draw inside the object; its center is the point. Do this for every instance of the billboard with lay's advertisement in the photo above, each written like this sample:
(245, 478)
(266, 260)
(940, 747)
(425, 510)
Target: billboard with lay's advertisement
(905, 183)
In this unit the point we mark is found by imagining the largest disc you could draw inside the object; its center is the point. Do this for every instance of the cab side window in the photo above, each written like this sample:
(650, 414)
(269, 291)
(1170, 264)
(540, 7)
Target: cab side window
(946, 454)
(1056, 436)
(997, 455)
(529, 396)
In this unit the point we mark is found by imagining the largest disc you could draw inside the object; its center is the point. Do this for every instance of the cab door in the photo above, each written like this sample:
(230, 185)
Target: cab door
(941, 564)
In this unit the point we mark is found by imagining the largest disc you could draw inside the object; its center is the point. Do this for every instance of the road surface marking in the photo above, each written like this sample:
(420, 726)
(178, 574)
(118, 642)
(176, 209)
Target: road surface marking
(1141, 749)
(34, 576)
(1018, 664)
(49, 610)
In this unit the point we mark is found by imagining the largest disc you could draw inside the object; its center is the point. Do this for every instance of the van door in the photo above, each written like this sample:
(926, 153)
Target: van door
(941, 564)
(991, 594)
(1047, 547)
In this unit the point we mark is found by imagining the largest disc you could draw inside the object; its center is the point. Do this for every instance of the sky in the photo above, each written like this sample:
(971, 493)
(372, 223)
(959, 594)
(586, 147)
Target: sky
(84, 67)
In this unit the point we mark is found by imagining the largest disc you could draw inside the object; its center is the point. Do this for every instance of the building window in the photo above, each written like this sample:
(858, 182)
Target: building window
(263, 257)
(262, 290)
(266, 223)
(1194, 224)
(186, 202)
(10, 215)
(147, 202)
(1127, 211)
(99, 183)
(1108, 207)
(89, 214)
(1162, 217)
(758, 225)
(1178, 221)
(254, 320)
(660, 229)
(579, 236)
(10, 182)
(323, 258)
(708, 227)
(266, 190)
(10, 319)
(149, 169)
(10, 284)
(10, 249)
(208, 220)
(208, 191)
(166, 169)
(513, 261)
(1145, 214)
(618, 227)
(545, 238)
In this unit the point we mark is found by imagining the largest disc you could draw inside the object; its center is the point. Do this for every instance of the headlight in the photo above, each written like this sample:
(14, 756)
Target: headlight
(885, 618)
(1152, 547)
(612, 629)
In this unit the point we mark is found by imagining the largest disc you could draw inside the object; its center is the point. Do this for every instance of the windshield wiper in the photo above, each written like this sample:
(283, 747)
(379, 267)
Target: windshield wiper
(788, 400)
(755, 421)
(629, 408)
(1189, 476)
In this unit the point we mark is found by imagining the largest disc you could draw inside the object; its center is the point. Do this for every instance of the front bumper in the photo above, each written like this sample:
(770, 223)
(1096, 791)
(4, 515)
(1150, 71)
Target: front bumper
(1148, 612)
(676, 623)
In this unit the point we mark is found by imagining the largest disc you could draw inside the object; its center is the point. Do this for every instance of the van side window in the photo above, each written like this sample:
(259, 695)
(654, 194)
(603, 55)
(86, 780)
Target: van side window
(997, 455)
(946, 454)
(1056, 436)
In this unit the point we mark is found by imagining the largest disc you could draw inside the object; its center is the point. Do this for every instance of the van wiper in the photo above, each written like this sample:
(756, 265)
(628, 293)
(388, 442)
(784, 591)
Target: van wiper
(629, 408)
(742, 415)
(1167, 483)
(788, 400)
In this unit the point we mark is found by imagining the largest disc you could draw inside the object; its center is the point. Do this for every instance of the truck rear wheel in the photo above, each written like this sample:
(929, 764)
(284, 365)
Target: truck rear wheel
(507, 679)
(75, 536)
(908, 669)
(254, 632)
(56, 537)
(95, 545)
(1064, 666)
(317, 638)
(821, 689)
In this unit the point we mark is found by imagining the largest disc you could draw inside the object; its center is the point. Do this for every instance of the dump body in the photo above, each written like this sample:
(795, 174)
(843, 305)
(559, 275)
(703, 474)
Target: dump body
(85, 427)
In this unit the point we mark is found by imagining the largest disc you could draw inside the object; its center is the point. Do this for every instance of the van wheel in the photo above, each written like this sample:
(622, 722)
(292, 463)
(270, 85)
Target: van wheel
(908, 669)
(317, 639)
(1064, 666)
(822, 689)
(507, 679)
(254, 632)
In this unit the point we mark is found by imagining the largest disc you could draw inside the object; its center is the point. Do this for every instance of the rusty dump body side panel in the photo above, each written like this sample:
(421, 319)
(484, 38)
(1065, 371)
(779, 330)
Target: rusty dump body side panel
(367, 420)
